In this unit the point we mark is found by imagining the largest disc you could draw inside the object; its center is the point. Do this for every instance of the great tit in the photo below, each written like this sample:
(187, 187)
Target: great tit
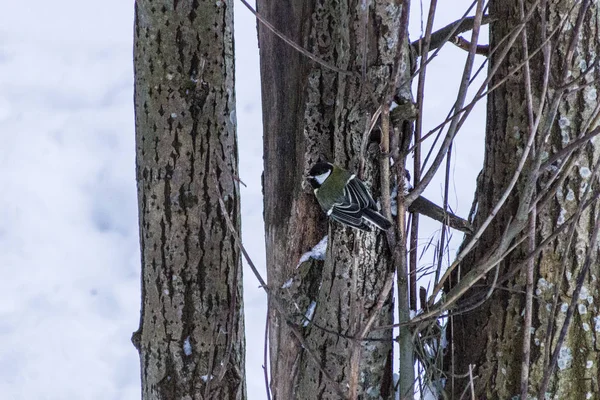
(345, 198)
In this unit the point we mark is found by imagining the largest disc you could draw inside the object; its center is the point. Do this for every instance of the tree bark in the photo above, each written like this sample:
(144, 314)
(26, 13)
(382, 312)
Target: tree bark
(191, 335)
(312, 112)
(491, 337)
(288, 214)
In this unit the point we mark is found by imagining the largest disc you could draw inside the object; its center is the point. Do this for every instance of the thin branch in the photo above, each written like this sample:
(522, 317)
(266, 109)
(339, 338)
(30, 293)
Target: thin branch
(576, 30)
(428, 208)
(443, 35)
(383, 296)
(406, 350)
(526, 349)
(462, 43)
(265, 354)
(423, 44)
(573, 145)
(471, 384)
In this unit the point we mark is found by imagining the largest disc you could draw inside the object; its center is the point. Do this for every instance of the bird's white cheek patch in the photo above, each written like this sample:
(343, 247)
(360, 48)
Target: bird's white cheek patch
(321, 178)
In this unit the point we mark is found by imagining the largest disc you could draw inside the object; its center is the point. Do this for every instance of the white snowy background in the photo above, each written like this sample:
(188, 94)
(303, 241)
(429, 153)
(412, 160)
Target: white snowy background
(69, 251)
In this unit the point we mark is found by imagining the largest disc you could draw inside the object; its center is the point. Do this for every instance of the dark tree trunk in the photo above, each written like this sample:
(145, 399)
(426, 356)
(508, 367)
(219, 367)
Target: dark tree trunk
(191, 335)
(291, 226)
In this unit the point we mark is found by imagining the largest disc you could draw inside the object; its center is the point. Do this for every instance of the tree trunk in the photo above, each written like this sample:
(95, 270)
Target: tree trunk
(494, 338)
(291, 226)
(191, 335)
(312, 112)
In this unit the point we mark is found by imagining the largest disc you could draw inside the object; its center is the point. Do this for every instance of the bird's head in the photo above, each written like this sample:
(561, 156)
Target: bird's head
(319, 173)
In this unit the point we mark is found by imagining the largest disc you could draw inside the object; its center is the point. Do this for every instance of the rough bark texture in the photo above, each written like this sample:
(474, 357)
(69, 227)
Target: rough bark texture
(286, 211)
(490, 338)
(311, 112)
(191, 336)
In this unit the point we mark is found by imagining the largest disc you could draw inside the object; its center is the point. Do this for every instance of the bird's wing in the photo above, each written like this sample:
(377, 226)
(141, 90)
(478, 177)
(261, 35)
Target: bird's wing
(348, 212)
(351, 216)
(357, 193)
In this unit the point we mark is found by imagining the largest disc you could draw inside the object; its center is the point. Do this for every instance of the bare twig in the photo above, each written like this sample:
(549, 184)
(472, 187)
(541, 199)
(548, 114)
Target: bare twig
(471, 383)
(384, 162)
(406, 359)
(383, 296)
(443, 35)
(265, 354)
(526, 349)
(577, 143)
(528, 311)
(423, 45)
(443, 234)
(462, 43)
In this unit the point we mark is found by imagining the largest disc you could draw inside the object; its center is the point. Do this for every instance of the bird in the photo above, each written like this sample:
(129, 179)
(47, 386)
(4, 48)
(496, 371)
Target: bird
(344, 198)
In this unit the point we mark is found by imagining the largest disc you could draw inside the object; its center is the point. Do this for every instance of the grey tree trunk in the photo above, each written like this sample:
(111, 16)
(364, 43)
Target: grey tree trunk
(191, 335)
(312, 112)
(563, 278)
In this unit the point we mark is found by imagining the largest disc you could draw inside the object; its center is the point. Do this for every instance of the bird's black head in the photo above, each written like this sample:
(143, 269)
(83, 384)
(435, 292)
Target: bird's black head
(318, 173)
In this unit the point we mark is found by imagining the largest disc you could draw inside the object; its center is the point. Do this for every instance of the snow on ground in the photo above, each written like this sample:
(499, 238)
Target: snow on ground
(69, 256)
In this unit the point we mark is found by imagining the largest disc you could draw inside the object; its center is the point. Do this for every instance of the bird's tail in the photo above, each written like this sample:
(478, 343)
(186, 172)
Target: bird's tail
(377, 219)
